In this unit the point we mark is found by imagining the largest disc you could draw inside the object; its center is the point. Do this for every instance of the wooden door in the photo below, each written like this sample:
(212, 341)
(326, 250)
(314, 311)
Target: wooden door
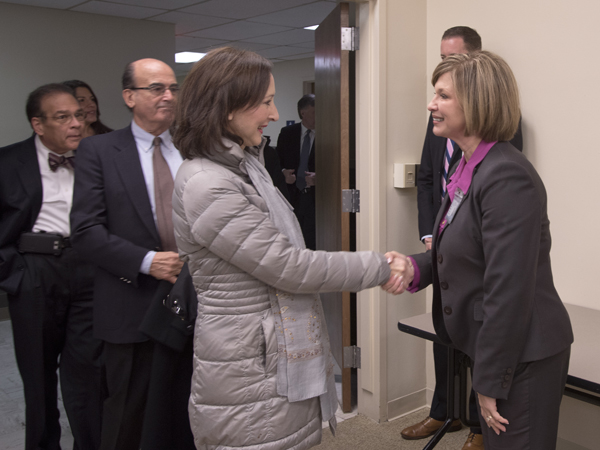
(333, 162)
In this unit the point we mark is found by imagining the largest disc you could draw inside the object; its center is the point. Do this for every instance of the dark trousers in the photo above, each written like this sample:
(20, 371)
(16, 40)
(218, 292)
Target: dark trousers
(533, 406)
(167, 423)
(439, 409)
(52, 328)
(128, 368)
(304, 208)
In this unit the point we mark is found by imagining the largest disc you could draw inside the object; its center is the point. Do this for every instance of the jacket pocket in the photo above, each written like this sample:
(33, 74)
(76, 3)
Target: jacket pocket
(269, 343)
(478, 310)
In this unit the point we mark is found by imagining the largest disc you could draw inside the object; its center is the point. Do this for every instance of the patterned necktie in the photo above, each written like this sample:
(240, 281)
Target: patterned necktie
(303, 167)
(163, 195)
(447, 157)
(55, 161)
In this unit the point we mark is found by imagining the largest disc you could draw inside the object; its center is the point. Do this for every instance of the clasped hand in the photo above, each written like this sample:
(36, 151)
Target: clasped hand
(402, 274)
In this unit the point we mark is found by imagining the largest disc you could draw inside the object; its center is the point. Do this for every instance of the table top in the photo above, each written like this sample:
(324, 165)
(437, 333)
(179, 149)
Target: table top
(584, 366)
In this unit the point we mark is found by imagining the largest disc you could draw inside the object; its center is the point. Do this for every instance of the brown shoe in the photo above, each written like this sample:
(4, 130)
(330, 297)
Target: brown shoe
(427, 428)
(474, 442)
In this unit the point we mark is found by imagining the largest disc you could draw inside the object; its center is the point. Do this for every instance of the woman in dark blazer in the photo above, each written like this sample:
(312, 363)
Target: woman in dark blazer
(494, 297)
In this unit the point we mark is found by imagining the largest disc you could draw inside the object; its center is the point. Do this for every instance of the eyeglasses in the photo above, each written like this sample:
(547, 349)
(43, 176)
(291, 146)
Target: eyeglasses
(158, 90)
(66, 118)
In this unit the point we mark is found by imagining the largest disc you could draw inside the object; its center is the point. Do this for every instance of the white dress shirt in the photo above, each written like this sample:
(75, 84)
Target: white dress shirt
(57, 194)
(145, 146)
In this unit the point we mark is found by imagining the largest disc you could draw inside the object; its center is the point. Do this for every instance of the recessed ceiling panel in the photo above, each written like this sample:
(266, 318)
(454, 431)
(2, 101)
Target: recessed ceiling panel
(114, 9)
(302, 16)
(242, 9)
(57, 4)
(279, 52)
(306, 45)
(285, 38)
(239, 30)
(186, 23)
(188, 43)
(163, 4)
(301, 56)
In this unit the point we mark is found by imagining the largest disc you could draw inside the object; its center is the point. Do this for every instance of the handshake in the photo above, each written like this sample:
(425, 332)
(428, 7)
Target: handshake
(402, 274)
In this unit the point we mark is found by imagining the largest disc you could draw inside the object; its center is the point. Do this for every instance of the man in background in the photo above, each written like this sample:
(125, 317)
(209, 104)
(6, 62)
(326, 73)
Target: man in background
(296, 149)
(122, 220)
(438, 157)
(49, 286)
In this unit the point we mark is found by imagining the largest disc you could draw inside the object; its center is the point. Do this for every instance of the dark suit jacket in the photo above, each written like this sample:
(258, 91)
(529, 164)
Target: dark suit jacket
(493, 293)
(273, 166)
(288, 148)
(429, 180)
(113, 227)
(20, 204)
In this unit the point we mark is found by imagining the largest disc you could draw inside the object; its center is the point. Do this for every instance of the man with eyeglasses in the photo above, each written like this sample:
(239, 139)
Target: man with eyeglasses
(49, 286)
(121, 219)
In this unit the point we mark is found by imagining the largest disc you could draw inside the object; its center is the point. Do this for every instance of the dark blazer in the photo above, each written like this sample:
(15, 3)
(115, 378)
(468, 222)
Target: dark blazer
(429, 179)
(273, 166)
(493, 293)
(113, 227)
(288, 149)
(20, 204)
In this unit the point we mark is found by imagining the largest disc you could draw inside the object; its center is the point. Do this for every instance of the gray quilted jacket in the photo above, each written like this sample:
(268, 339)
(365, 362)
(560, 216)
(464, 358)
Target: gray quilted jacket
(235, 255)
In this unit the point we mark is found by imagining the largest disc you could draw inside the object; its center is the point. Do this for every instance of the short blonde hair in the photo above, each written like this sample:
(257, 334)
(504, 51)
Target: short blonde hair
(487, 91)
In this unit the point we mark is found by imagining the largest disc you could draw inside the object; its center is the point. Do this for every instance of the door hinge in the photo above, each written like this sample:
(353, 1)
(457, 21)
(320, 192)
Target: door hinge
(352, 357)
(350, 200)
(350, 38)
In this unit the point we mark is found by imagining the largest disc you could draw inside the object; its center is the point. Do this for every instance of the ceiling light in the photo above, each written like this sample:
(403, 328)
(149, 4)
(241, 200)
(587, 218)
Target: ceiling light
(188, 57)
(314, 27)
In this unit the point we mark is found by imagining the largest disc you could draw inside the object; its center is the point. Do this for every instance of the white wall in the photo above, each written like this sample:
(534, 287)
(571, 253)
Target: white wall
(44, 45)
(289, 78)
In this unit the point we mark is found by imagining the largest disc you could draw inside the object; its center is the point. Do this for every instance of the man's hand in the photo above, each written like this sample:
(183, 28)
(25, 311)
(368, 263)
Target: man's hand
(427, 242)
(166, 266)
(311, 179)
(290, 178)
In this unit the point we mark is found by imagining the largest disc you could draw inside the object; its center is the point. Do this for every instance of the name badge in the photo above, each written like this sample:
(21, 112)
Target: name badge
(458, 198)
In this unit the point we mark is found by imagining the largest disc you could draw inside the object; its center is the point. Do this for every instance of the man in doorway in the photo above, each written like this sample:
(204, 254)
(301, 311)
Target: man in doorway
(49, 286)
(438, 157)
(122, 220)
(296, 149)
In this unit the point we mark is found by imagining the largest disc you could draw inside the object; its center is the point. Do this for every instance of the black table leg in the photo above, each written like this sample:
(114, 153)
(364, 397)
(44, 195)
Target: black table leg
(449, 401)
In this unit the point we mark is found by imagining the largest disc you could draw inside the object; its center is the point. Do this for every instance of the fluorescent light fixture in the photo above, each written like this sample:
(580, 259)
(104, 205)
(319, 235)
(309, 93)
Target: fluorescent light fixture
(314, 27)
(188, 57)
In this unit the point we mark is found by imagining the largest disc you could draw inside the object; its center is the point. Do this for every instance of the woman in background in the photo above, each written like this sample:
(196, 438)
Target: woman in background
(493, 291)
(263, 370)
(89, 103)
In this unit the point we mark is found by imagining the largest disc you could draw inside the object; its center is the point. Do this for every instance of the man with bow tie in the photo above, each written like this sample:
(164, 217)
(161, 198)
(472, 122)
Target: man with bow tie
(49, 287)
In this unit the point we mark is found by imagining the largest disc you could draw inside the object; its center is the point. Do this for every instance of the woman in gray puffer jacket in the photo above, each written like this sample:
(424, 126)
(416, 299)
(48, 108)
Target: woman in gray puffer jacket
(262, 366)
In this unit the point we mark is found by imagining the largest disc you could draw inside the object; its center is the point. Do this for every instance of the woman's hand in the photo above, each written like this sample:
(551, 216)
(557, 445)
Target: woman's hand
(402, 274)
(490, 414)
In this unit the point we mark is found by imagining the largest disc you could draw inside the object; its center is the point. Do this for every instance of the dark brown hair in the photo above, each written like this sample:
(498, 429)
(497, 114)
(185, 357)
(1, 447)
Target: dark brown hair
(97, 126)
(469, 36)
(224, 81)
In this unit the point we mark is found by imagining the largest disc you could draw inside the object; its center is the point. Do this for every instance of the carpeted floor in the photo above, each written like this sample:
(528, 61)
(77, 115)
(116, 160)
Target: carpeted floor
(361, 433)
